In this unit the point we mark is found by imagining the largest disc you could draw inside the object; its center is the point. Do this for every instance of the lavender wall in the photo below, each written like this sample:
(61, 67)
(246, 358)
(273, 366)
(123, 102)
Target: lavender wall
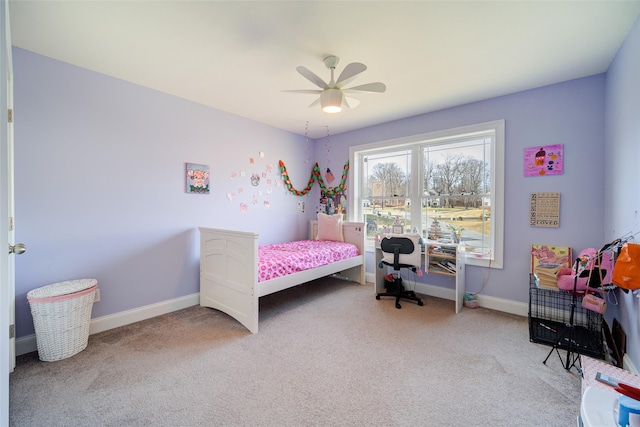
(622, 161)
(570, 113)
(100, 184)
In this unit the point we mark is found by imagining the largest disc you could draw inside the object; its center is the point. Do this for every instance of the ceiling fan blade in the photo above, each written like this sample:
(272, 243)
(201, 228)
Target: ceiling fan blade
(349, 73)
(314, 103)
(313, 91)
(312, 77)
(369, 87)
(351, 103)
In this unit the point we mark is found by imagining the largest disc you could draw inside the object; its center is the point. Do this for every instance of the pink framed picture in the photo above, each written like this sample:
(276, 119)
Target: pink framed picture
(544, 160)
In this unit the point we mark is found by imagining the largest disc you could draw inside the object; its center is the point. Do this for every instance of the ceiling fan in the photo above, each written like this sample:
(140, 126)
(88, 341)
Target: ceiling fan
(332, 95)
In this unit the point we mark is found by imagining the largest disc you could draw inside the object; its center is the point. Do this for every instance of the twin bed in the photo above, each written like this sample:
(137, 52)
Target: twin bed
(235, 271)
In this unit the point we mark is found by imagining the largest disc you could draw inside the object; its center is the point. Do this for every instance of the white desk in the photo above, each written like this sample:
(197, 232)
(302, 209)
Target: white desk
(431, 256)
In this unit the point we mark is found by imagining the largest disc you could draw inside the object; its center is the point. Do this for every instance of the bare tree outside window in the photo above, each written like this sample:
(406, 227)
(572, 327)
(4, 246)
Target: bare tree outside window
(392, 177)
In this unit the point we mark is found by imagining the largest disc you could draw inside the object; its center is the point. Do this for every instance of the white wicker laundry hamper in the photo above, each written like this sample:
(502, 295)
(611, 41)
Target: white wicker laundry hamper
(61, 317)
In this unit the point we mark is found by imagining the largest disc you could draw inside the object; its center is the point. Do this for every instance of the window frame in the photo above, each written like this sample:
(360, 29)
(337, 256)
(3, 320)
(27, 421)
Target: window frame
(497, 127)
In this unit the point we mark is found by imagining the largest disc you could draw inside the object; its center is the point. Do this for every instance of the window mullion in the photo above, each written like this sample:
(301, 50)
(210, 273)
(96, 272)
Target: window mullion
(416, 188)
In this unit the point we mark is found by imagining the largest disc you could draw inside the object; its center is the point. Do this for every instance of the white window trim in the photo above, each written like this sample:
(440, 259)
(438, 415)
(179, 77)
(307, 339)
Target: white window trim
(497, 179)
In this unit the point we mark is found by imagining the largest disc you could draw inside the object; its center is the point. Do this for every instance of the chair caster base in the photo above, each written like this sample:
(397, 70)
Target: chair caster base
(406, 295)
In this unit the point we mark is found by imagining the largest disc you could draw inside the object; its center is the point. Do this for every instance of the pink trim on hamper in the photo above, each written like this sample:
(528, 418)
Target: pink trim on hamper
(63, 297)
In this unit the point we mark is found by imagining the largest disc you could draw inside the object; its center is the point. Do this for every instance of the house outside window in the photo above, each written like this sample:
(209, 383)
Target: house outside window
(447, 186)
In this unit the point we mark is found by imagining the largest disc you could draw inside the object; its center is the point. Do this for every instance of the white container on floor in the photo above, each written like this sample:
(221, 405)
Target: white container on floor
(599, 408)
(61, 317)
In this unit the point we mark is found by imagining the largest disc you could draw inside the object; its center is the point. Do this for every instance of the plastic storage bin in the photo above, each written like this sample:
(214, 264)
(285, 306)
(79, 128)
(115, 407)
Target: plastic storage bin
(61, 317)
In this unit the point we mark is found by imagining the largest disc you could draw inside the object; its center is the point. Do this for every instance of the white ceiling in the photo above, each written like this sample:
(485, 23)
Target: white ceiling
(238, 56)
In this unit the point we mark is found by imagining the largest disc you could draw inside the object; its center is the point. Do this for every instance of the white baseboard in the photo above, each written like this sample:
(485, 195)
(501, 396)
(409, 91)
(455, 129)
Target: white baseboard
(493, 303)
(369, 278)
(628, 364)
(28, 344)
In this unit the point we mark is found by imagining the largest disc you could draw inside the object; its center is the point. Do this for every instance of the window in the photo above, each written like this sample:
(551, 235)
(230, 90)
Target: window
(446, 186)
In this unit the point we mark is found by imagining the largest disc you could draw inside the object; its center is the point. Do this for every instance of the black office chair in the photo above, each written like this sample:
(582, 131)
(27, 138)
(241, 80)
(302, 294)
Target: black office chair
(400, 252)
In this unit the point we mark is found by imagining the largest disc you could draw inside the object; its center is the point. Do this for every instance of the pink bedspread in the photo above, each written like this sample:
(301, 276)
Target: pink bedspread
(285, 258)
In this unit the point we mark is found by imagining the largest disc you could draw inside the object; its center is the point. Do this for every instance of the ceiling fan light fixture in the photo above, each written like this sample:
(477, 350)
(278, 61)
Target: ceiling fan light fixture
(331, 100)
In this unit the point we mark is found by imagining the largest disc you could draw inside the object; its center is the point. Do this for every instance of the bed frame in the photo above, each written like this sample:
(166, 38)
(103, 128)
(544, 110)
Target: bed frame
(229, 270)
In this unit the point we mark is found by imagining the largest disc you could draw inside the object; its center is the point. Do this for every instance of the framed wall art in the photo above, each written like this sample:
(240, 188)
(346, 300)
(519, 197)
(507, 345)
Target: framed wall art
(197, 178)
(544, 160)
(544, 210)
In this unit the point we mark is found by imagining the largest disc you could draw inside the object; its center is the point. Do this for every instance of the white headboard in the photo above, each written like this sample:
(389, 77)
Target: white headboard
(354, 232)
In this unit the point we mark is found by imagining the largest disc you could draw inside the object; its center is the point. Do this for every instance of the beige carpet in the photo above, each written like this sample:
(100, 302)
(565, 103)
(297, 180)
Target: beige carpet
(327, 354)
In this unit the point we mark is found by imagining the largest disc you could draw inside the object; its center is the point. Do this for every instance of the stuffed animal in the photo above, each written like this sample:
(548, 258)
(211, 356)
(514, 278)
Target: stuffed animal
(587, 264)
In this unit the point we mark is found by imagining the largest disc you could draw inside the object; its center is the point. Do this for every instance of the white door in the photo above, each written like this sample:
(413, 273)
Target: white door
(7, 289)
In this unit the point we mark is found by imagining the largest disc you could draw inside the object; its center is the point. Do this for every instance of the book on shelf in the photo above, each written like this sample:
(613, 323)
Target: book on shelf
(442, 251)
(542, 284)
(434, 268)
(547, 275)
(446, 266)
(545, 284)
(548, 270)
(441, 266)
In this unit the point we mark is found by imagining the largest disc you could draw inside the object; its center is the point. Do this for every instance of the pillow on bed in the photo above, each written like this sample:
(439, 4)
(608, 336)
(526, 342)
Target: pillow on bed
(330, 227)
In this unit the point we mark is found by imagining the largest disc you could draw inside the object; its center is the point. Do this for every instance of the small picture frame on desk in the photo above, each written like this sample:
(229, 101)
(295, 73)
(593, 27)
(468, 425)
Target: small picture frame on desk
(397, 229)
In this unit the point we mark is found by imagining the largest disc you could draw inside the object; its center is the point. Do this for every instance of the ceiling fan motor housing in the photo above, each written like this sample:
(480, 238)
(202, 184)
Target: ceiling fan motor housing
(331, 100)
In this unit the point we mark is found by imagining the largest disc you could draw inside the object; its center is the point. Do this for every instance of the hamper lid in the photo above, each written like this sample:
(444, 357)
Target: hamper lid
(62, 288)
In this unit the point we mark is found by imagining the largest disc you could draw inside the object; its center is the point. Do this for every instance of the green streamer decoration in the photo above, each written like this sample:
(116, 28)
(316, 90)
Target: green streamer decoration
(317, 176)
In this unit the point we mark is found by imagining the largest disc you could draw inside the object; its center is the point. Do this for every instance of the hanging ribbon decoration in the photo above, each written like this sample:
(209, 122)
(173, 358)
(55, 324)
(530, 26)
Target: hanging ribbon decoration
(328, 175)
(333, 191)
(316, 175)
(306, 135)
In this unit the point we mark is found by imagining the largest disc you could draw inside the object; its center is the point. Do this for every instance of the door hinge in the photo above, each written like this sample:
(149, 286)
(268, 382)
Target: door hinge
(10, 115)
(12, 331)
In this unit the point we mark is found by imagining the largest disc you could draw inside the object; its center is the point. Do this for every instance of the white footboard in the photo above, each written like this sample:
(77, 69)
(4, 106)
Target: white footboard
(229, 274)
(229, 271)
